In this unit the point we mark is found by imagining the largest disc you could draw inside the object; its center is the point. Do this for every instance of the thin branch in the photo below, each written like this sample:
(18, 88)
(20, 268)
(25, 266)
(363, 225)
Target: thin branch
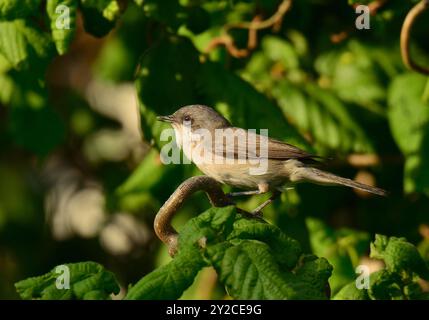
(411, 17)
(256, 24)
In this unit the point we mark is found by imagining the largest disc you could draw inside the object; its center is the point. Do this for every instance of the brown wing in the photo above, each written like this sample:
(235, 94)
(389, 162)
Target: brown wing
(248, 144)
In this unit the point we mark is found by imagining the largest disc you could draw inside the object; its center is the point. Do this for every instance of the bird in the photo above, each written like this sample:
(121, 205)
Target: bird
(212, 143)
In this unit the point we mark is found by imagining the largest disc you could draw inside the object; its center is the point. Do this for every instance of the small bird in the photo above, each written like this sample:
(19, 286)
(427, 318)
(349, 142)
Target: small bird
(198, 127)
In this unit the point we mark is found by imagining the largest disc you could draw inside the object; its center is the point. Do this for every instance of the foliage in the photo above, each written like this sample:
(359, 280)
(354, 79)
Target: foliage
(312, 78)
(254, 260)
(88, 280)
(398, 280)
(341, 247)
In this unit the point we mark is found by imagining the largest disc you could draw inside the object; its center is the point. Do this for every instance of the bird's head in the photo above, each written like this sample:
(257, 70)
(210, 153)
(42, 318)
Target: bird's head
(196, 117)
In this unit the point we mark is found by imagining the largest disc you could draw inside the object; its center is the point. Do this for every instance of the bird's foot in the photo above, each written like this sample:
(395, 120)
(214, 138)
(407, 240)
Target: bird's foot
(257, 213)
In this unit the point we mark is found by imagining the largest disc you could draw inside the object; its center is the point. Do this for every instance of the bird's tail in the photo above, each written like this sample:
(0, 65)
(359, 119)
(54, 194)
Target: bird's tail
(322, 177)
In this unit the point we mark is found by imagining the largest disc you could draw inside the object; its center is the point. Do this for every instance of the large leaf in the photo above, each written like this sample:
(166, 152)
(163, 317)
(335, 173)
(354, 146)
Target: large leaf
(166, 82)
(19, 41)
(398, 280)
(285, 250)
(324, 116)
(249, 271)
(13, 9)
(249, 268)
(62, 31)
(399, 255)
(355, 74)
(171, 280)
(409, 120)
(88, 280)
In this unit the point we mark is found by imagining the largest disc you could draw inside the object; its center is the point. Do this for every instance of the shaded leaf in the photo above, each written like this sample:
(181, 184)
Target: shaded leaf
(399, 255)
(99, 16)
(171, 280)
(339, 247)
(409, 119)
(88, 280)
(13, 9)
(62, 31)
(19, 40)
(166, 82)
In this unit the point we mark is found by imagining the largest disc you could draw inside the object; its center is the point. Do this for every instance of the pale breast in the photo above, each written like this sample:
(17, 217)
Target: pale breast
(241, 175)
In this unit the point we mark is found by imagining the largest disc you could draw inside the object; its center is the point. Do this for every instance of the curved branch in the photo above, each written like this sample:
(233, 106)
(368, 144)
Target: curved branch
(411, 17)
(162, 223)
(256, 24)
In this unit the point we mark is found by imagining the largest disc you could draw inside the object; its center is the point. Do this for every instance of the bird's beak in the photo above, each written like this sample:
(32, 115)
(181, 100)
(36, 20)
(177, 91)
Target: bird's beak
(165, 118)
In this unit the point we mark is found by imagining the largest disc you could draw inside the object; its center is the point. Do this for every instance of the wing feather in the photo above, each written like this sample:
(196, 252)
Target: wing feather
(248, 144)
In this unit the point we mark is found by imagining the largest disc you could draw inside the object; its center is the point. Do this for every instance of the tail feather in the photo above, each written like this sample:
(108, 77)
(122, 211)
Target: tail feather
(322, 177)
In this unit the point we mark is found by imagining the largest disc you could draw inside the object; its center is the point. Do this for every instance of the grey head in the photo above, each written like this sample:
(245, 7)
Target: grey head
(199, 116)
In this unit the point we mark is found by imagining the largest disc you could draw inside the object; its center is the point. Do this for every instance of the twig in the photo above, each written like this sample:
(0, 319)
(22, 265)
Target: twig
(411, 17)
(256, 24)
(228, 43)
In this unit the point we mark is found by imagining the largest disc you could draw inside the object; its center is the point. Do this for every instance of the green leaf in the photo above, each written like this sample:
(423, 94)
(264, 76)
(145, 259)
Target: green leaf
(409, 119)
(249, 271)
(38, 130)
(13, 9)
(145, 176)
(405, 102)
(214, 225)
(351, 74)
(279, 50)
(13, 44)
(423, 248)
(339, 247)
(63, 29)
(323, 115)
(108, 8)
(166, 82)
(171, 280)
(7, 85)
(88, 280)
(399, 255)
(351, 292)
(99, 16)
(19, 40)
(168, 12)
(285, 250)
(385, 285)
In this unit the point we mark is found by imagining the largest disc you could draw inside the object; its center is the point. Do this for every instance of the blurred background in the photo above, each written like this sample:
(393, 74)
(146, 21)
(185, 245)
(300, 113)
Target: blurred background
(80, 172)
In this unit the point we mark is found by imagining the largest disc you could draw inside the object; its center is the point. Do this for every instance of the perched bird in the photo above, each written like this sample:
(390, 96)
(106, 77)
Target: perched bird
(260, 164)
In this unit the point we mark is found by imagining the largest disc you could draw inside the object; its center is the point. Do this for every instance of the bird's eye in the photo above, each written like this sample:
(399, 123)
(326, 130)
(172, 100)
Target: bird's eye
(187, 118)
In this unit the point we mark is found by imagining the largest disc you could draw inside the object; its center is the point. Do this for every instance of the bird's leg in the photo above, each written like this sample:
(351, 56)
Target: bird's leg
(262, 188)
(257, 210)
(244, 193)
